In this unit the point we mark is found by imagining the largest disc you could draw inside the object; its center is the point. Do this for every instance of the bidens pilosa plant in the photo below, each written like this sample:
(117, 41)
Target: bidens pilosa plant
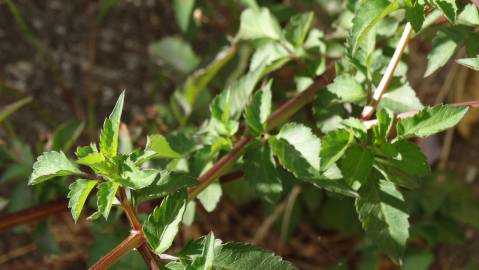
(335, 146)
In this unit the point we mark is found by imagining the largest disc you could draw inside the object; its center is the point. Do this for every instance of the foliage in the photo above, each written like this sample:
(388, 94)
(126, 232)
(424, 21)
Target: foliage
(373, 164)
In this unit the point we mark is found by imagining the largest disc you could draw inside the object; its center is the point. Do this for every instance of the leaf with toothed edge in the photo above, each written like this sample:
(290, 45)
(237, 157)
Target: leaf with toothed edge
(79, 191)
(52, 164)
(111, 129)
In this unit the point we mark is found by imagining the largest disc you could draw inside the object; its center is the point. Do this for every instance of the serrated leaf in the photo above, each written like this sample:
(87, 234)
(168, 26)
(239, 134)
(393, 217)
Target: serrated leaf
(52, 164)
(385, 122)
(259, 109)
(401, 99)
(134, 177)
(83, 151)
(472, 63)
(261, 172)
(106, 196)
(168, 182)
(367, 16)
(448, 7)
(234, 256)
(297, 149)
(404, 165)
(383, 215)
(356, 165)
(273, 54)
(415, 13)
(258, 24)
(469, 16)
(206, 258)
(162, 225)
(210, 197)
(111, 128)
(175, 53)
(66, 134)
(348, 89)
(91, 159)
(333, 146)
(298, 28)
(443, 47)
(158, 144)
(429, 121)
(230, 103)
(78, 194)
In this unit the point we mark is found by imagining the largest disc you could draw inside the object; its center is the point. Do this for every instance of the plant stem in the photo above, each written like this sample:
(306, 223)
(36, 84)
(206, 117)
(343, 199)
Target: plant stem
(280, 115)
(32, 214)
(129, 210)
(388, 75)
(133, 241)
(148, 256)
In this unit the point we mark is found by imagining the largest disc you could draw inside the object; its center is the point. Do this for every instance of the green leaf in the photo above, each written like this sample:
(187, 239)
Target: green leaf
(333, 146)
(234, 256)
(210, 197)
(297, 149)
(472, 63)
(111, 129)
(348, 89)
(91, 159)
(261, 172)
(175, 53)
(298, 28)
(259, 109)
(13, 107)
(52, 164)
(429, 121)
(206, 259)
(184, 99)
(162, 225)
(66, 134)
(401, 99)
(134, 177)
(469, 16)
(230, 103)
(183, 10)
(385, 122)
(168, 182)
(415, 13)
(258, 24)
(106, 196)
(382, 212)
(158, 144)
(404, 165)
(78, 194)
(443, 47)
(418, 260)
(273, 54)
(448, 7)
(367, 16)
(356, 165)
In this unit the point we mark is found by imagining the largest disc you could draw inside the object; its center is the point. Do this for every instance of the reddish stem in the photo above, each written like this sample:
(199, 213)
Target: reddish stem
(32, 214)
(133, 241)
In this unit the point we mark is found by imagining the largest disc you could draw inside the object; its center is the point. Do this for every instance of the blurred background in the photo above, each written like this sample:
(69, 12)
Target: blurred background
(64, 63)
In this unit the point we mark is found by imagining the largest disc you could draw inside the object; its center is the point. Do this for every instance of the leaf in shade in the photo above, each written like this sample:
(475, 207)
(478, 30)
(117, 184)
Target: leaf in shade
(261, 172)
(298, 28)
(259, 109)
(382, 212)
(297, 149)
(356, 165)
(333, 146)
(78, 195)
